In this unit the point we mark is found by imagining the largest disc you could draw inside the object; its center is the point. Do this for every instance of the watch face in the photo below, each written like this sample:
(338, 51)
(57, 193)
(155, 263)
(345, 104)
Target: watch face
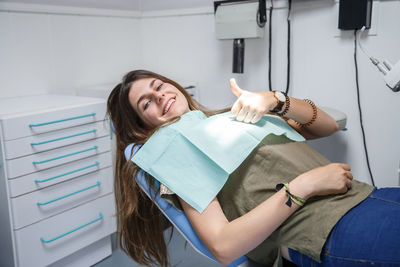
(281, 97)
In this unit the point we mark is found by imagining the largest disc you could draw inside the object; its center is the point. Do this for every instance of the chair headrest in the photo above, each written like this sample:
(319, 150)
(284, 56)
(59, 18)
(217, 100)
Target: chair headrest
(140, 177)
(128, 150)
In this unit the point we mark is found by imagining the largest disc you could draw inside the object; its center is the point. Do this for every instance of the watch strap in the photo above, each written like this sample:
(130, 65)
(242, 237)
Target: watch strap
(280, 104)
(286, 107)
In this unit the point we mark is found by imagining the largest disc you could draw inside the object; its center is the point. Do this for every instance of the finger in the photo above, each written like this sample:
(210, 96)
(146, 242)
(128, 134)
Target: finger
(242, 114)
(235, 88)
(236, 108)
(349, 175)
(249, 117)
(345, 166)
(348, 183)
(256, 118)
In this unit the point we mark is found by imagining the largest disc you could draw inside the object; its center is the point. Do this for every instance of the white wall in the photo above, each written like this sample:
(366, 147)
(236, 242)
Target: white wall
(61, 52)
(57, 53)
(185, 48)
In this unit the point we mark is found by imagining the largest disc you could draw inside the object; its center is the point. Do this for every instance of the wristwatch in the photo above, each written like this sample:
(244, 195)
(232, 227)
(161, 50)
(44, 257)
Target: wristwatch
(281, 99)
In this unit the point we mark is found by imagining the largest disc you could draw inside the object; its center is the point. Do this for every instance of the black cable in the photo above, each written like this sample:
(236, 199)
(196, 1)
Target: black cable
(288, 48)
(359, 106)
(270, 46)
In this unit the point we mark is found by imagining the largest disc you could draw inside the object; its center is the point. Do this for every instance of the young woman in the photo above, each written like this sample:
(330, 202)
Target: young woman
(341, 223)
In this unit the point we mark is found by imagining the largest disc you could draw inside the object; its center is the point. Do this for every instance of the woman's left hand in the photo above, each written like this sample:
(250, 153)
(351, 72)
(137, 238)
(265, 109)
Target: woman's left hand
(251, 106)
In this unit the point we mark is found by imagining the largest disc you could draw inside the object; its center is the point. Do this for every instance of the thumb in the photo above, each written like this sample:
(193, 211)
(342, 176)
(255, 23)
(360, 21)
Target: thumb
(235, 88)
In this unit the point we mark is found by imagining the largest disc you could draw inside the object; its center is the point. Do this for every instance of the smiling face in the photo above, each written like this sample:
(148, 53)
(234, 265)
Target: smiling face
(156, 102)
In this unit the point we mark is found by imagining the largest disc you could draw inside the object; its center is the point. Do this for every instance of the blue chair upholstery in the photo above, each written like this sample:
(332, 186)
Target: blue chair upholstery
(177, 217)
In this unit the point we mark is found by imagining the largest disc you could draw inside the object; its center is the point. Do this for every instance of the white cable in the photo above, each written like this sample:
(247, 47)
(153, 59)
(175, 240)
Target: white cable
(359, 41)
(374, 61)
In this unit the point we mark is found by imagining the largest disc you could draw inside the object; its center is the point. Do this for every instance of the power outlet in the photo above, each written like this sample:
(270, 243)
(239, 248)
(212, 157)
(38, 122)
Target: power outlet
(373, 31)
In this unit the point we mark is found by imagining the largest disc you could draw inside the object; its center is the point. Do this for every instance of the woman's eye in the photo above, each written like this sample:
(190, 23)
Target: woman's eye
(159, 87)
(146, 105)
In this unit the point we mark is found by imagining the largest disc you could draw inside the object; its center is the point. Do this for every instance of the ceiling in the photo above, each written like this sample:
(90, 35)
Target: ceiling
(127, 5)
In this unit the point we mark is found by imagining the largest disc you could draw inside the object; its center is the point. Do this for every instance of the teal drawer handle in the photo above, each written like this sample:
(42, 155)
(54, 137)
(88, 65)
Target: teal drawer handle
(73, 230)
(65, 137)
(57, 121)
(63, 156)
(68, 195)
(61, 175)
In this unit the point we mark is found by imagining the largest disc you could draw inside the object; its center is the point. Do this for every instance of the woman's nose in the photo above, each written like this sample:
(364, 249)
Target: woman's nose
(159, 96)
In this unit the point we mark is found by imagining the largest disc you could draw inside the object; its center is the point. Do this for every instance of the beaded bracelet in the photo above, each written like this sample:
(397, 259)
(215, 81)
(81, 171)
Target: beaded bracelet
(315, 113)
(298, 200)
(286, 107)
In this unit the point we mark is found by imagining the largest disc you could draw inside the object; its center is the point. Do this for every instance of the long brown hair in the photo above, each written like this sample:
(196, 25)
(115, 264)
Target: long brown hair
(140, 224)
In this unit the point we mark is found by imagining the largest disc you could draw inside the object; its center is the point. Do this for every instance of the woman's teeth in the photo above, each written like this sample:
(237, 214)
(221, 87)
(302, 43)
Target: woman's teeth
(172, 100)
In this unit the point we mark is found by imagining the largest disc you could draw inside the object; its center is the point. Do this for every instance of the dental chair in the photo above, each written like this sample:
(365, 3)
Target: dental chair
(179, 220)
(181, 223)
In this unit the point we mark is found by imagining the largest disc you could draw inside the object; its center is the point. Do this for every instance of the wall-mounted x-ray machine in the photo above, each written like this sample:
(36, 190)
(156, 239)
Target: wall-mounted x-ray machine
(237, 20)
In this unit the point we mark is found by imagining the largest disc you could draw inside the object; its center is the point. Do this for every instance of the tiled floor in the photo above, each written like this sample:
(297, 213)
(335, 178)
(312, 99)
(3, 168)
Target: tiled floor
(179, 256)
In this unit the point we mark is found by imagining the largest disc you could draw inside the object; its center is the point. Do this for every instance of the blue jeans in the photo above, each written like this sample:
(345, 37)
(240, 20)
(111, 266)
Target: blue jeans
(367, 235)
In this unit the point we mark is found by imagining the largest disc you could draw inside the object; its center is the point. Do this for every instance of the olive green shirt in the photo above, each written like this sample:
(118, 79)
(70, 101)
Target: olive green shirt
(279, 160)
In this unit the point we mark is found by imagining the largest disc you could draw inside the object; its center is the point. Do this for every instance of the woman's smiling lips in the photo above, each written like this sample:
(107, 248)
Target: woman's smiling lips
(168, 105)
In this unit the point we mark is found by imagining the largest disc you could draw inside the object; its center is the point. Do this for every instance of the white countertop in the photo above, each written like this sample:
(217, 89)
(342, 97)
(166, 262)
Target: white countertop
(19, 106)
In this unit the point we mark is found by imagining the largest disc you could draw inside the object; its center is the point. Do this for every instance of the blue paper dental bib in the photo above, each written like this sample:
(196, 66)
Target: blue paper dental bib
(194, 156)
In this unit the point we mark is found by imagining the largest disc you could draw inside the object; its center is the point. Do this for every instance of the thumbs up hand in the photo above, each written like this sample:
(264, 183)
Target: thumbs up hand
(251, 106)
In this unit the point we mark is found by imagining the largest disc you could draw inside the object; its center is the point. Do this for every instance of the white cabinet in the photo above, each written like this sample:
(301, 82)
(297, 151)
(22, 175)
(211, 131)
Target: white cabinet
(56, 193)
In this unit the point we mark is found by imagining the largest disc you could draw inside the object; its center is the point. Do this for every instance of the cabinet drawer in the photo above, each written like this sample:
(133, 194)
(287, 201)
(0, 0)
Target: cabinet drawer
(48, 159)
(51, 140)
(42, 179)
(41, 204)
(42, 122)
(65, 233)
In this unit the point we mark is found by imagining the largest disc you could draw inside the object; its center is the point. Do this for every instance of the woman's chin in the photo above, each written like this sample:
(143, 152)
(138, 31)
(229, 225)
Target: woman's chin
(176, 113)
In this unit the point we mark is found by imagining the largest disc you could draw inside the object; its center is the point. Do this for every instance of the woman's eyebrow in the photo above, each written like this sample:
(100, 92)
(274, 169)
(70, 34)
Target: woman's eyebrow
(140, 99)
(143, 96)
(152, 83)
